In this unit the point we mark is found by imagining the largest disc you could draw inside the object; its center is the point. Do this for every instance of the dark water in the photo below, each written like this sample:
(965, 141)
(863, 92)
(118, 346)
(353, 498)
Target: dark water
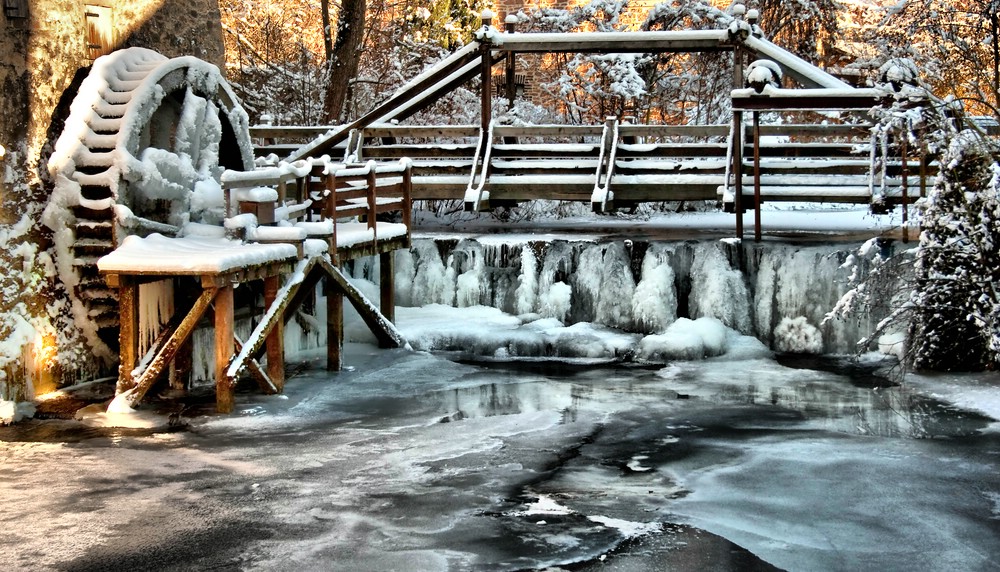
(414, 462)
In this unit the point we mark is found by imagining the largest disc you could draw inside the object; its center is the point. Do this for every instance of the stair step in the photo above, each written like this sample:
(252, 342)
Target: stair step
(85, 213)
(99, 293)
(95, 192)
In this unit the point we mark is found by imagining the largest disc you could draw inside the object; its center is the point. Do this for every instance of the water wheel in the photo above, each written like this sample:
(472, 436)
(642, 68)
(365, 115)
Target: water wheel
(142, 151)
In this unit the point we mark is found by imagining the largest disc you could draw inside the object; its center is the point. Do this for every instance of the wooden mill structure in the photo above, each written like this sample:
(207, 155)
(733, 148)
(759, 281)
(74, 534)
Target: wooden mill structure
(285, 228)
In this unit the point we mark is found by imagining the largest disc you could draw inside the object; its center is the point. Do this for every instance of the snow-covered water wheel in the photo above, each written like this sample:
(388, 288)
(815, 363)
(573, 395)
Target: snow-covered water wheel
(142, 151)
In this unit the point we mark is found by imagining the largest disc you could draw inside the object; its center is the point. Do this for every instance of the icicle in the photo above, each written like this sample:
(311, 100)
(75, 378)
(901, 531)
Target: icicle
(527, 289)
(718, 290)
(654, 303)
(156, 307)
(614, 297)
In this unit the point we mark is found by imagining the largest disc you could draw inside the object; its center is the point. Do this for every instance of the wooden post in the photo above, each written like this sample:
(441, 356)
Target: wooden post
(387, 301)
(276, 339)
(224, 348)
(905, 183)
(408, 200)
(334, 326)
(756, 176)
(180, 367)
(510, 68)
(738, 170)
(330, 212)
(128, 334)
(485, 70)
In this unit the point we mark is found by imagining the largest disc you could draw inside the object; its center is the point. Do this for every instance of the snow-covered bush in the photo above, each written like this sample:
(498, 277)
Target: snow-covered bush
(957, 312)
(943, 292)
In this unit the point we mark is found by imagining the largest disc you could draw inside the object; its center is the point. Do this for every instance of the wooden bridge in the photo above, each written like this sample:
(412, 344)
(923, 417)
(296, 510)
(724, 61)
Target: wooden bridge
(619, 163)
(295, 221)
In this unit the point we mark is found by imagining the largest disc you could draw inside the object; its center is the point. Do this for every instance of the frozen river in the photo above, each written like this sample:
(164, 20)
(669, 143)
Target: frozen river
(412, 461)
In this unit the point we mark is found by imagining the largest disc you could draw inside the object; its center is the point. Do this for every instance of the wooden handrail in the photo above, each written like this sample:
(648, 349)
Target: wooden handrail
(474, 199)
(601, 199)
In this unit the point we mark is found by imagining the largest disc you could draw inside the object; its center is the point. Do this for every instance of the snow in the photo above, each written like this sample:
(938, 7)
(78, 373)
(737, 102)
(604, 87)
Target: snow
(256, 194)
(157, 254)
(12, 412)
(796, 66)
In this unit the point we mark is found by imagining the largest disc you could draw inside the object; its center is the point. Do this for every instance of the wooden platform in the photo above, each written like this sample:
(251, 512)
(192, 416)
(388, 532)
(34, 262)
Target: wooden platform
(289, 261)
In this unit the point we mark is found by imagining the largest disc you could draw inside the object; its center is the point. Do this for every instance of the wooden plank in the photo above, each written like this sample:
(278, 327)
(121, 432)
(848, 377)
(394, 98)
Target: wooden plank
(275, 341)
(805, 103)
(224, 349)
(286, 131)
(421, 131)
(604, 42)
(547, 130)
(165, 353)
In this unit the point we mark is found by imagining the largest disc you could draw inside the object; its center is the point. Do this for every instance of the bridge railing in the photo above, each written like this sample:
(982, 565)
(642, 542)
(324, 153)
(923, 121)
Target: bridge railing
(824, 162)
(342, 204)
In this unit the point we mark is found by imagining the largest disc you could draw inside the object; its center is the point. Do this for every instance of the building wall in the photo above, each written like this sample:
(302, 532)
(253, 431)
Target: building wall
(44, 54)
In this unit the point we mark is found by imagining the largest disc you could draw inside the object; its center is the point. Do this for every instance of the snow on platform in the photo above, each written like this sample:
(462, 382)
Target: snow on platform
(158, 254)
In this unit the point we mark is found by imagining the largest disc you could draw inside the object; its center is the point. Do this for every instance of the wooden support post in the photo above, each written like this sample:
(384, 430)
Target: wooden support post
(510, 67)
(330, 212)
(128, 334)
(224, 349)
(182, 364)
(905, 183)
(408, 200)
(737, 169)
(756, 176)
(923, 169)
(334, 326)
(276, 339)
(387, 302)
(485, 71)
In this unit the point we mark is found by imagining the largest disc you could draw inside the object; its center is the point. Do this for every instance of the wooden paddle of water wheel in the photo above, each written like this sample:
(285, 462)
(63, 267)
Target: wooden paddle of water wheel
(147, 137)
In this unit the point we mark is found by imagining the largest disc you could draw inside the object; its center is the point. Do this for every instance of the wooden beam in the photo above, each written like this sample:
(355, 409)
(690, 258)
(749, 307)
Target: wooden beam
(128, 334)
(274, 313)
(165, 353)
(387, 290)
(756, 176)
(224, 349)
(275, 339)
(257, 372)
(387, 334)
(334, 327)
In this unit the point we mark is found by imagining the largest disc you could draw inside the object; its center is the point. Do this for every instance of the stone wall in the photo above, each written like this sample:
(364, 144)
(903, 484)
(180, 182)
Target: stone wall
(44, 55)
(41, 56)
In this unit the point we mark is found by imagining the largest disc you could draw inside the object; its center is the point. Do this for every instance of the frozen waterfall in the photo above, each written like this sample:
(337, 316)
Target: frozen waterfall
(777, 293)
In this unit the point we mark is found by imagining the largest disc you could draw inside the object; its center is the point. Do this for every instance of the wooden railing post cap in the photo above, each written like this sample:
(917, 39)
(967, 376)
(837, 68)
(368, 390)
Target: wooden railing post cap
(510, 20)
(487, 16)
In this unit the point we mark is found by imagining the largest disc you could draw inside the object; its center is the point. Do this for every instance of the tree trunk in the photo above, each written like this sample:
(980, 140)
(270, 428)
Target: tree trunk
(345, 52)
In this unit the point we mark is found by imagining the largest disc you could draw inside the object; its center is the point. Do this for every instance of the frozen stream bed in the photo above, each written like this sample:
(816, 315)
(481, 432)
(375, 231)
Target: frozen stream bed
(416, 462)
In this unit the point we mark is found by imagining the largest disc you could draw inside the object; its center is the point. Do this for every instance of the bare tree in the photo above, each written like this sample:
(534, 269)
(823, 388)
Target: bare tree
(343, 53)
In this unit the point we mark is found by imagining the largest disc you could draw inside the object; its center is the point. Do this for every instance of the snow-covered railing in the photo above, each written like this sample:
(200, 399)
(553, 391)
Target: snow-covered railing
(602, 197)
(330, 191)
(790, 169)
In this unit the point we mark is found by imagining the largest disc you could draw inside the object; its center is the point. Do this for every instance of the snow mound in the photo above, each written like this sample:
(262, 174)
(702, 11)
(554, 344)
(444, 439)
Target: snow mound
(797, 335)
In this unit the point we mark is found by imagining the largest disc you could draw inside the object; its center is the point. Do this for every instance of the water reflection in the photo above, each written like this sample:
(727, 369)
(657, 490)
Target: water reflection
(853, 402)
